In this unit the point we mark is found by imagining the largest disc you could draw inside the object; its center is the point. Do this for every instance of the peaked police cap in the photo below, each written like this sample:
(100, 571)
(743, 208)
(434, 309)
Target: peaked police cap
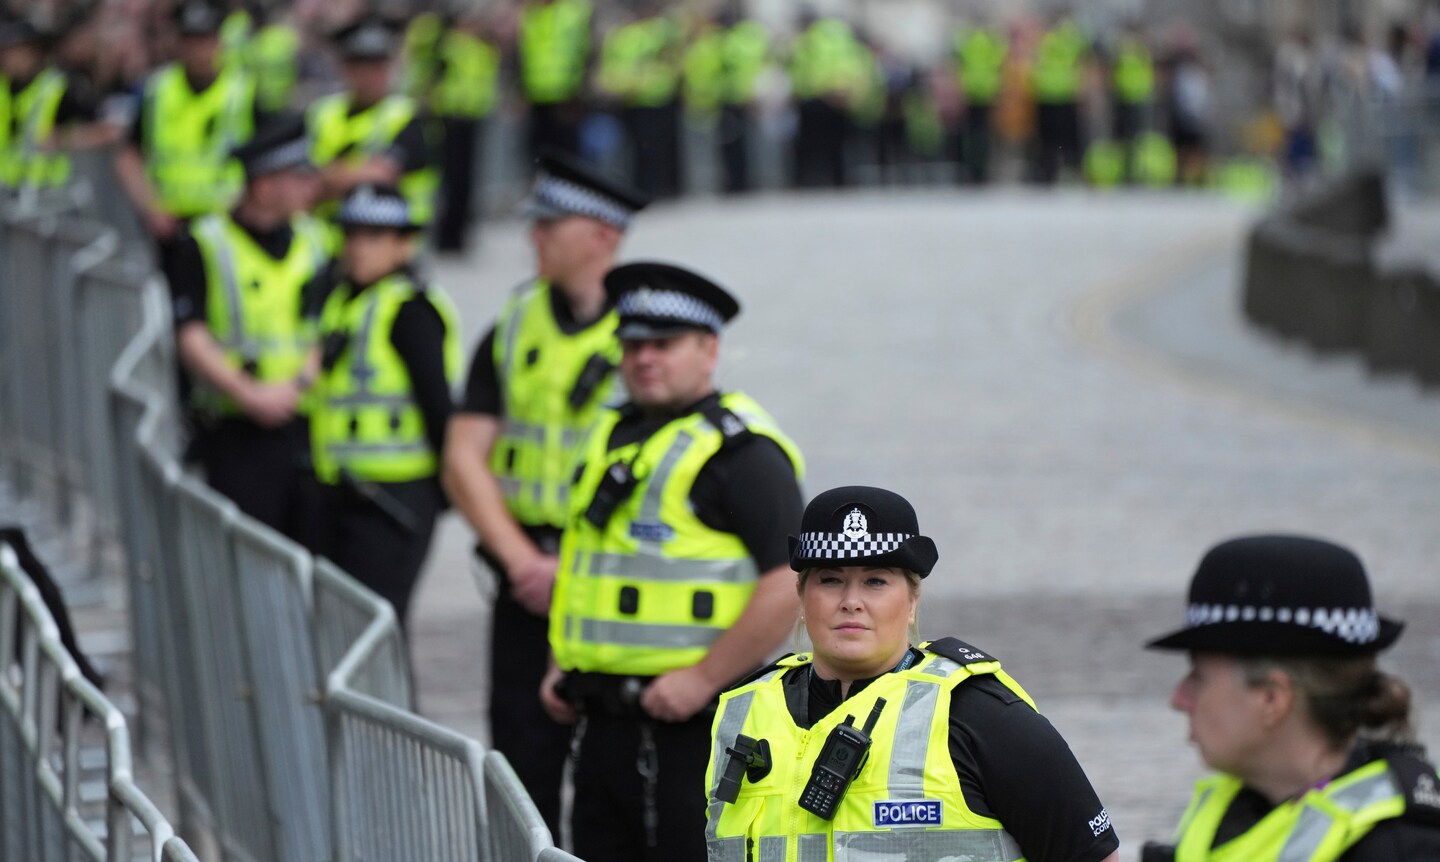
(566, 186)
(862, 526)
(1276, 595)
(369, 38)
(659, 300)
(377, 206)
(198, 18)
(281, 144)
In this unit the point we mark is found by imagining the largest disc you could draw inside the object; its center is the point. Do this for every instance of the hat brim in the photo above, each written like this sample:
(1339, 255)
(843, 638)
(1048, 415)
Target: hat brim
(641, 330)
(916, 554)
(1241, 638)
(405, 228)
(533, 209)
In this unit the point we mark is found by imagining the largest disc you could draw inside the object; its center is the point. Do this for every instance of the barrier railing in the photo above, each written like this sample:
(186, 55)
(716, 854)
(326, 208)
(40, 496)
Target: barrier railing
(52, 722)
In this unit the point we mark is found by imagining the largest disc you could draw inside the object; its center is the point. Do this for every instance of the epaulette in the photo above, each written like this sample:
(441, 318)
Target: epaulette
(958, 651)
(1421, 786)
(759, 672)
(731, 427)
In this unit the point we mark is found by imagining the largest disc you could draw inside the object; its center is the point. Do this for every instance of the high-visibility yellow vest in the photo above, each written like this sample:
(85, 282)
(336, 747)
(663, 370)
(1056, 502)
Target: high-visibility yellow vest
(824, 60)
(1153, 161)
(638, 62)
(908, 780)
(235, 33)
(469, 70)
(702, 73)
(981, 57)
(1058, 64)
(273, 58)
(651, 591)
(1318, 827)
(27, 120)
(366, 421)
(421, 50)
(723, 66)
(1134, 72)
(189, 136)
(554, 45)
(538, 367)
(337, 134)
(253, 300)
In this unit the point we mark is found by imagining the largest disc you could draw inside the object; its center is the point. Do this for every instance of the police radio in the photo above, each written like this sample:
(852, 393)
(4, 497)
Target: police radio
(839, 762)
(615, 487)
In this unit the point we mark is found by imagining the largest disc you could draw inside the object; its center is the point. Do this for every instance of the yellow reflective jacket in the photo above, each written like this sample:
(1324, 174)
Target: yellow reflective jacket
(189, 135)
(336, 133)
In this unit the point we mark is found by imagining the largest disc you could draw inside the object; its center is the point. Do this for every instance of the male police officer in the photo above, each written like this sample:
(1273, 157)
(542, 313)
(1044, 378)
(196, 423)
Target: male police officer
(672, 579)
(553, 54)
(367, 134)
(177, 164)
(640, 70)
(537, 383)
(247, 287)
(38, 112)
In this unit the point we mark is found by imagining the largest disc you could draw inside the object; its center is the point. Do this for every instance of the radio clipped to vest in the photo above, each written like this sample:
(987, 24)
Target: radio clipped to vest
(615, 487)
(839, 762)
(332, 347)
(597, 368)
(749, 758)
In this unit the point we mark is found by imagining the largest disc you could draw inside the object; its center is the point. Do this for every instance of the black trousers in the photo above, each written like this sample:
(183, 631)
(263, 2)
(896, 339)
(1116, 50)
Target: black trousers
(734, 133)
(609, 815)
(1058, 128)
(653, 135)
(372, 545)
(819, 150)
(975, 143)
(462, 151)
(265, 471)
(554, 126)
(519, 727)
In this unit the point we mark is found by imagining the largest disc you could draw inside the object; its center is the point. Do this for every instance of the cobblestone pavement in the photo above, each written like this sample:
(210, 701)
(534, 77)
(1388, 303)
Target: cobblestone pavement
(1062, 385)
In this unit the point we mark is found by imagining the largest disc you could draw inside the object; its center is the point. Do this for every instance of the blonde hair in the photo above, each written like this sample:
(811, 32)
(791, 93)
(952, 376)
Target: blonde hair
(802, 637)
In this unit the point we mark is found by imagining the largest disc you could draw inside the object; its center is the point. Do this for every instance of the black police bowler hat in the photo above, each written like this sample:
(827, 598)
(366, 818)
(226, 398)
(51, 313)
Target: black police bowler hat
(861, 526)
(377, 206)
(1281, 596)
(659, 300)
(280, 144)
(566, 186)
(198, 18)
(371, 37)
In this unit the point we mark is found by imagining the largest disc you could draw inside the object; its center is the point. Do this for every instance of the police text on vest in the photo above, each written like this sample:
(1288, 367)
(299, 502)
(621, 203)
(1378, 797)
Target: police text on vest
(908, 812)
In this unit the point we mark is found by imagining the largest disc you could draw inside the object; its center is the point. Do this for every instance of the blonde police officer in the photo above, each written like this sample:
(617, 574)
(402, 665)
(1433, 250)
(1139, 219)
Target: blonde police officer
(871, 748)
(671, 582)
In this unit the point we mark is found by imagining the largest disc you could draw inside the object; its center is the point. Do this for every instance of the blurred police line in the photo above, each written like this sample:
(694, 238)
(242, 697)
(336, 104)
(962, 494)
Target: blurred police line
(276, 686)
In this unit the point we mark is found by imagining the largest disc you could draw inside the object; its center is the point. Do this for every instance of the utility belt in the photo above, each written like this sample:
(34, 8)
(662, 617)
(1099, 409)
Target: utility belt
(604, 694)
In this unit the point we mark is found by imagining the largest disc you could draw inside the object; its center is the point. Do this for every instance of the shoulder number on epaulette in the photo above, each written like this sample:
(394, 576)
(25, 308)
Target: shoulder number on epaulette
(1421, 786)
(958, 651)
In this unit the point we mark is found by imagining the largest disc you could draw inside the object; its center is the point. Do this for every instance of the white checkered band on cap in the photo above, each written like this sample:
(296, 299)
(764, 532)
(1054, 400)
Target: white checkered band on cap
(371, 40)
(1353, 625)
(297, 152)
(648, 302)
(366, 208)
(838, 546)
(561, 194)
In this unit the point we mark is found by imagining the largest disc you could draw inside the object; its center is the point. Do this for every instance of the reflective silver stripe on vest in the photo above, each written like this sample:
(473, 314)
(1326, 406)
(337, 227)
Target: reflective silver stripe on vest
(737, 709)
(972, 845)
(655, 492)
(812, 847)
(367, 399)
(724, 849)
(1313, 825)
(941, 667)
(647, 634)
(361, 372)
(512, 327)
(225, 262)
(772, 848)
(378, 448)
(650, 568)
(912, 740)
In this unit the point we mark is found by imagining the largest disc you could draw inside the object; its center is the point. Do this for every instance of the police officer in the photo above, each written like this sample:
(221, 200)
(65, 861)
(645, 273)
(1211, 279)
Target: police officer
(670, 584)
(537, 382)
(366, 134)
(247, 287)
(722, 73)
(40, 113)
(1132, 77)
(1312, 744)
(462, 95)
(176, 164)
(554, 55)
(980, 54)
(1058, 76)
(640, 70)
(840, 750)
(827, 78)
(390, 354)
(272, 54)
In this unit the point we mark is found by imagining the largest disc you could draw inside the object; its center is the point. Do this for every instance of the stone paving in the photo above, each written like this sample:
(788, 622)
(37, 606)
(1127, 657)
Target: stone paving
(1063, 386)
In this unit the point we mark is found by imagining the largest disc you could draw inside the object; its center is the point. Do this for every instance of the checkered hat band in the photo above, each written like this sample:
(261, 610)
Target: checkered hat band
(369, 41)
(838, 546)
(297, 152)
(1353, 625)
(669, 305)
(375, 211)
(577, 199)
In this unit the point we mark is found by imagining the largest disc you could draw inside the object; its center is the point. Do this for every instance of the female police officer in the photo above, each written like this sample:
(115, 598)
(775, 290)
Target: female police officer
(1311, 741)
(872, 748)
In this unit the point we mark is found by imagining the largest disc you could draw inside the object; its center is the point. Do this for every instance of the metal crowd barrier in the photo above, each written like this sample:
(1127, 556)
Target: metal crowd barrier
(53, 724)
(278, 686)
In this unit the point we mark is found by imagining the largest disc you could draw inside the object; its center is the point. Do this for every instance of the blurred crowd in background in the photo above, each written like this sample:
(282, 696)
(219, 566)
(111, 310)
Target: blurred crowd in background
(1040, 96)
